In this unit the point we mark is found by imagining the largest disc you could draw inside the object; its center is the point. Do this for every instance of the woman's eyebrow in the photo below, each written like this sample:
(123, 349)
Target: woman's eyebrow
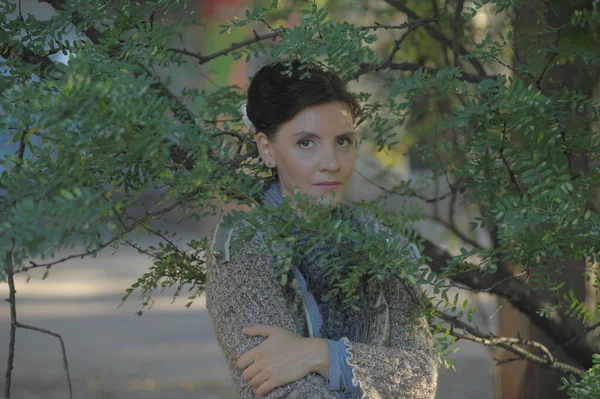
(314, 135)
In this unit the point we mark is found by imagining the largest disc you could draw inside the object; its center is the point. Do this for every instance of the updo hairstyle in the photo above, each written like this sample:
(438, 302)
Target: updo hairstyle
(275, 98)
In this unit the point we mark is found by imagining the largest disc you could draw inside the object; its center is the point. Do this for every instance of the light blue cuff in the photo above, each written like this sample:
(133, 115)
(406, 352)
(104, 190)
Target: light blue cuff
(415, 251)
(340, 372)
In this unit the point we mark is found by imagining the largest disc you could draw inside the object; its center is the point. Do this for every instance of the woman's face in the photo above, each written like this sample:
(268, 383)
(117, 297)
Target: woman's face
(314, 151)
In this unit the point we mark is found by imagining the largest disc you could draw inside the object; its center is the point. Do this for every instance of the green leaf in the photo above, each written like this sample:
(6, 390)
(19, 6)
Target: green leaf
(66, 194)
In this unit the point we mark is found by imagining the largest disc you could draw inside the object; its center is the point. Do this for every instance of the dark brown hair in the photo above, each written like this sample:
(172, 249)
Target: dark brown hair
(275, 98)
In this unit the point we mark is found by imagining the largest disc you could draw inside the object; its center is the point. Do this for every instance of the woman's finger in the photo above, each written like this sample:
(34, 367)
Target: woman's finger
(266, 387)
(259, 379)
(250, 372)
(259, 329)
(245, 359)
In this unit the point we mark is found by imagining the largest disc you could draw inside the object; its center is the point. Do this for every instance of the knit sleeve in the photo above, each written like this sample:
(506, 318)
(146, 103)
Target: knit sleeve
(406, 367)
(243, 291)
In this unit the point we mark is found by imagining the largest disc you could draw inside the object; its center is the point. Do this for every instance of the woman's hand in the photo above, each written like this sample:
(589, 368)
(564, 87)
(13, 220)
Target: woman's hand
(283, 357)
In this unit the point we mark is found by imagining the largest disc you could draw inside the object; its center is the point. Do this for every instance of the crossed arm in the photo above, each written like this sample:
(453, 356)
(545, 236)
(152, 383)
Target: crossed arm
(243, 292)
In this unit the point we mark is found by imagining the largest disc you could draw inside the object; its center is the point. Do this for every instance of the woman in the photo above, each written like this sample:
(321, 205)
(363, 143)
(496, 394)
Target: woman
(290, 341)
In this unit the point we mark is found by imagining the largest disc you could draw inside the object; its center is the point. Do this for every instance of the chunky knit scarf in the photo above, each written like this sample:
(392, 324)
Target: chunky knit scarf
(339, 320)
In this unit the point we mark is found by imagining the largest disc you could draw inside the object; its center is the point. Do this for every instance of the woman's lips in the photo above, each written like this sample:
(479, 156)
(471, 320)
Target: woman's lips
(328, 186)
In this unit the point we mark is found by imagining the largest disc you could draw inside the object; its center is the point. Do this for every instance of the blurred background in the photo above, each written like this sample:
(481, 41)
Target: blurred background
(171, 351)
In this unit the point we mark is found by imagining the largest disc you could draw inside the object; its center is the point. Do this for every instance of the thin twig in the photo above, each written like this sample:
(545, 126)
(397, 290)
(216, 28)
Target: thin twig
(449, 226)
(515, 42)
(452, 210)
(21, 150)
(592, 327)
(141, 250)
(203, 59)
(152, 15)
(62, 347)
(437, 35)
(538, 81)
(577, 337)
(509, 300)
(398, 43)
(500, 362)
(411, 194)
(239, 136)
(513, 178)
(149, 215)
(14, 323)
(436, 14)
(412, 67)
(492, 287)
(273, 30)
(456, 25)
(8, 267)
(567, 153)
(145, 226)
(10, 273)
(409, 24)
(504, 64)
(436, 205)
(454, 229)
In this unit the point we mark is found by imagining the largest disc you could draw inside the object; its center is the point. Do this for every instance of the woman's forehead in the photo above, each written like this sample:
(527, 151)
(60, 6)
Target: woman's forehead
(323, 120)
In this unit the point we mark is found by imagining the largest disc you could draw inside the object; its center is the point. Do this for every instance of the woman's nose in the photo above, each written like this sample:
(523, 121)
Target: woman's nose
(329, 160)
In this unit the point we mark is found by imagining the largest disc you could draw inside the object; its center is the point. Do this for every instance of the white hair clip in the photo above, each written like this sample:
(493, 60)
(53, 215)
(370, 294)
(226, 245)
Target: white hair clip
(247, 120)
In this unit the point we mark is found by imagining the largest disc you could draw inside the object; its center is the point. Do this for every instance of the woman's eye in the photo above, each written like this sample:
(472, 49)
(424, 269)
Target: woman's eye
(345, 142)
(305, 143)
(308, 143)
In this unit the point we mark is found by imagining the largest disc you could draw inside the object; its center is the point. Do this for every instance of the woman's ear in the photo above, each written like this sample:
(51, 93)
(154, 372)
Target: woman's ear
(265, 149)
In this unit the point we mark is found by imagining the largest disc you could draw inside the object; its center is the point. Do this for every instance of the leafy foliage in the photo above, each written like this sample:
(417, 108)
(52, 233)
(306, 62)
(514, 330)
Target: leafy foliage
(94, 135)
(588, 386)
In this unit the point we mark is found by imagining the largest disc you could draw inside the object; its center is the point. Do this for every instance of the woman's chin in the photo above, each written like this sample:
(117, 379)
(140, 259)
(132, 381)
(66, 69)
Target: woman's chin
(329, 199)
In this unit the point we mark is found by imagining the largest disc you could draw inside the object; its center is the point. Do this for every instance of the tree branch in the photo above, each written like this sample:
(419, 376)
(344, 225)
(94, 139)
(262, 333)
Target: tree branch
(456, 25)
(203, 59)
(436, 14)
(398, 43)
(149, 215)
(489, 289)
(437, 35)
(179, 109)
(409, 24)
(515, 345)
(513, 178)
(8, 266)
(538, 81)
(407, 194)
(454, 229)
(18, 51)
(588, 330)
(521, 297)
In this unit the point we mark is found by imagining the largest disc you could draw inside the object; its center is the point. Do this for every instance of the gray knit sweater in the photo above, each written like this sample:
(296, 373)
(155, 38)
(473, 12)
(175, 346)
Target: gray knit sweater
(241, 290)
